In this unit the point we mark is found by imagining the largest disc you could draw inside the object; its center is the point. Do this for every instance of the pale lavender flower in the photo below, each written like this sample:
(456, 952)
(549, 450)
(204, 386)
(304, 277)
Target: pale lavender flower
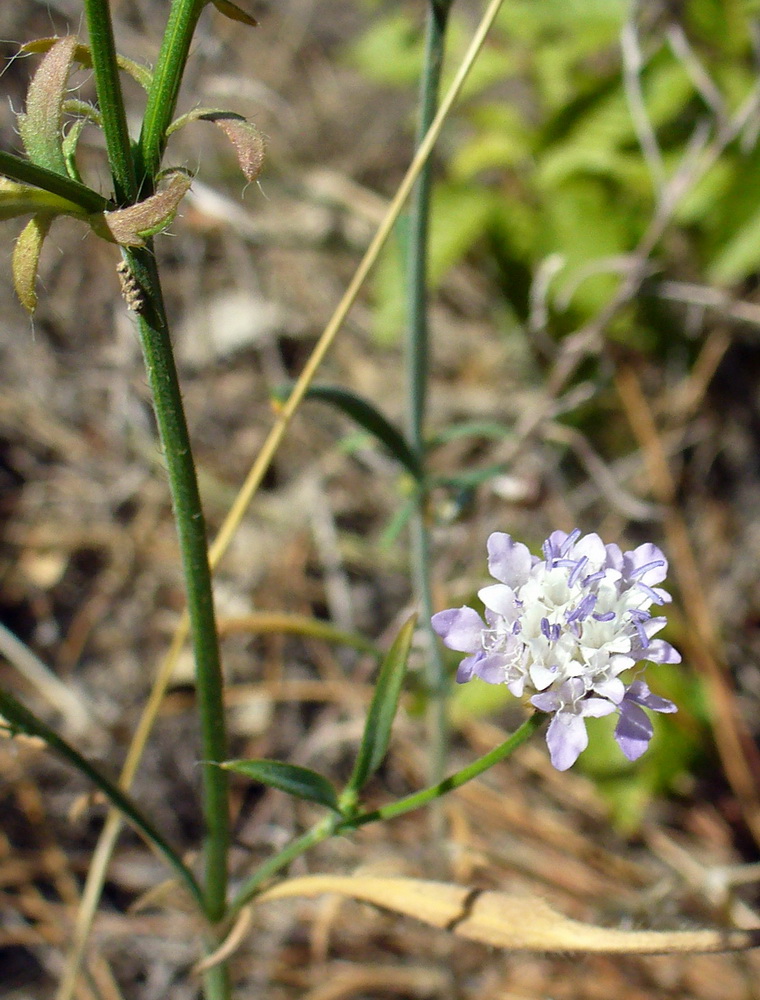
(562, 629)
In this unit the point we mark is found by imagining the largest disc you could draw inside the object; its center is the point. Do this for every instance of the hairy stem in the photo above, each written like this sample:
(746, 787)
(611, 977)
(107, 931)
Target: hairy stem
(25, 172)
(110, 100)
(167, 400)
(167, 78)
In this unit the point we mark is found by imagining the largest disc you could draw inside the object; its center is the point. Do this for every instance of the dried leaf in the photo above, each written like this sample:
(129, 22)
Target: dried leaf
(234, 13)
(506, 920)
(83, 56)
(132, 226)
(26, 258)
(41, 127)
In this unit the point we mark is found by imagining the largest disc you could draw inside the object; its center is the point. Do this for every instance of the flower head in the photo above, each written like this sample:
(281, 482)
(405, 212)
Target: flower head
(561, 630)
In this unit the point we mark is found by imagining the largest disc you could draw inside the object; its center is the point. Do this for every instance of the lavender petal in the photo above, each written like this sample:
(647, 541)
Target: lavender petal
(460, 628)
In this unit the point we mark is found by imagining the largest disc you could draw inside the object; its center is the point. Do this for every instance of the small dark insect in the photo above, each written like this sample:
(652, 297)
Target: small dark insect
(131, 291)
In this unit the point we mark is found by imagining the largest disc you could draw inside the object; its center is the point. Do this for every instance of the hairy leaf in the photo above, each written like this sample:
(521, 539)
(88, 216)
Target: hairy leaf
(82, 54)
(246, 139)
(26, 258)
(24, 199)
(133, 225)
(41, 128)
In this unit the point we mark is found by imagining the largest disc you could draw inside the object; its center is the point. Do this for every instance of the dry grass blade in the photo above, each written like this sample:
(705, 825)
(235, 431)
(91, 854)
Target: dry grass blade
(506, 920)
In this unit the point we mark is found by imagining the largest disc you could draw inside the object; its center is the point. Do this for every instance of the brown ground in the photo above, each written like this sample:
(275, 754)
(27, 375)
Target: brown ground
(89, 574)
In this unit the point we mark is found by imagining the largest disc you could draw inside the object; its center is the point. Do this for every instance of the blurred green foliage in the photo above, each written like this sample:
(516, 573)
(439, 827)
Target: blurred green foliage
(544, 154)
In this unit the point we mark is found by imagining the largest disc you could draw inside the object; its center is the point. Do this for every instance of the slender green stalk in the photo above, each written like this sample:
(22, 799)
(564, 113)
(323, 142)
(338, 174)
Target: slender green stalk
(167, 78)
(167, 400)
(332, 825)
(110, 100)
(453, 781)
(417, 252)
(417, 377)
(25, 172)
(18, 719)
(319, 832)
(216, 980)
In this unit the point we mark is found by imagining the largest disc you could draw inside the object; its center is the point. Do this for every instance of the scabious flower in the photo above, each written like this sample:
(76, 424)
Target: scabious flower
(560, 631)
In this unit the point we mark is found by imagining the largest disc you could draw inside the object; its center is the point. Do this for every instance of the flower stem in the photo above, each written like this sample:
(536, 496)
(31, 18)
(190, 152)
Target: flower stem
(167, 400)
(110, 100)
(319, 832)
(453, 781)
(417, 377)
(332, 825)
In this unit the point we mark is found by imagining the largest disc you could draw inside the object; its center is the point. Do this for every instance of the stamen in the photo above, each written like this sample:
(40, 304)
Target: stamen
(570, 541)
(606, 617)
(593, 577)
(652, 594)
(583, 610)
(545, 628)
(655, 564)
(639, 615)
(643, 637)
(579, 567)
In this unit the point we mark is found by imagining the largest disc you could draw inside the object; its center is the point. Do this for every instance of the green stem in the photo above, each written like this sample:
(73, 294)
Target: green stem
(453, 781)
(20, 719)
(216, 980)
(164, 89)
(332, 825)
(319, 832)
(26, 172)
(417, 377)
(418, 239)
(167, 400)
(110, 100)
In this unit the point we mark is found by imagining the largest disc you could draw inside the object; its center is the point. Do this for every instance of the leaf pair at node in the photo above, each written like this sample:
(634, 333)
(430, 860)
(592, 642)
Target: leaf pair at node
(46, 183)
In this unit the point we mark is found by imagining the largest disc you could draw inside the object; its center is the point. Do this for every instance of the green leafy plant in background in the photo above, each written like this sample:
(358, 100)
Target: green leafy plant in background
(547, 159)
(556, 189)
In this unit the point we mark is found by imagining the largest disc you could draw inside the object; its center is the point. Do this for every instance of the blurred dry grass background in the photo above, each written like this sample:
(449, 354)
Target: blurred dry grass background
(89, 574)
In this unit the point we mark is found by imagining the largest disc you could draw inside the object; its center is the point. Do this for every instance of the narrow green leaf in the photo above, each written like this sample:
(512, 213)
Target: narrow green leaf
(234, 13)
(42, 126)
(20, 720)
(475, 478)
(301, 782)
(366, 415)
(382, 711)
